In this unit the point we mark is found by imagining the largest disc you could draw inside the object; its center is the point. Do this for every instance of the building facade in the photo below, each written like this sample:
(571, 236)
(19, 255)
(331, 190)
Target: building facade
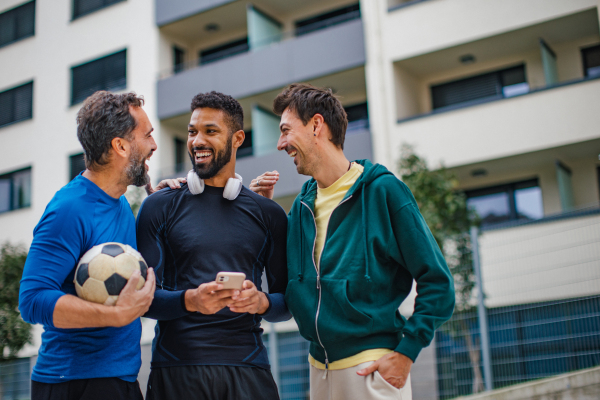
(505, 94)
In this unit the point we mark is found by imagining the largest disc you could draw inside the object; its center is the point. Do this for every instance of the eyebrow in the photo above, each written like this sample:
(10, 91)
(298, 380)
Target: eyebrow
(205, 125)
(150, 131)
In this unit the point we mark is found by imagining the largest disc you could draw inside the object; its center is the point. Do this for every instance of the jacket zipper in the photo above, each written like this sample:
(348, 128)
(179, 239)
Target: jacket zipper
(319, 280)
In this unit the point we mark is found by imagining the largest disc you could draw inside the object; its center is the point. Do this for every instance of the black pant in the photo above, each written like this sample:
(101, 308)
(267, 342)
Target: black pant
(211, 382)
(87, 389)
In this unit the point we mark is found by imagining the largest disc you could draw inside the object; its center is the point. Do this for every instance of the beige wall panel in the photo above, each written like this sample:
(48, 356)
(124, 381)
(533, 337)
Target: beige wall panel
(541, 262)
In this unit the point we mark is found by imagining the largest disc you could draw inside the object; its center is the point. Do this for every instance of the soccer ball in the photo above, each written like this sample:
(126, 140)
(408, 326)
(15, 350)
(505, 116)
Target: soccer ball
(104, 270)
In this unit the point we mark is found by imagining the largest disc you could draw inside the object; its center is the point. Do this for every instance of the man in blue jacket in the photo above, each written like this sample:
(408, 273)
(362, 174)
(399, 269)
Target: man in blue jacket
(90, 351)
(356, 240)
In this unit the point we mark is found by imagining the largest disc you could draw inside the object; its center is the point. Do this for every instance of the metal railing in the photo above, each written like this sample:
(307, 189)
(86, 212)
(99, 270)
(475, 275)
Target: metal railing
(14, 379)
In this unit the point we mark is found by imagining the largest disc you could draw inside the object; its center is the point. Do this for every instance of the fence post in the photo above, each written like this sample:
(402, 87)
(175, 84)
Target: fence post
(481, 312)
(274, 355)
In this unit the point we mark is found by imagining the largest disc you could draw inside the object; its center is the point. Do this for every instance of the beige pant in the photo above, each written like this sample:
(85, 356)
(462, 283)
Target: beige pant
(345, 384)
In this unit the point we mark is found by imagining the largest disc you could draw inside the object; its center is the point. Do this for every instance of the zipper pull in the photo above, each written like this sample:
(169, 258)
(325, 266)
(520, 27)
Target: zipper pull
(318, 282)
(326, 369)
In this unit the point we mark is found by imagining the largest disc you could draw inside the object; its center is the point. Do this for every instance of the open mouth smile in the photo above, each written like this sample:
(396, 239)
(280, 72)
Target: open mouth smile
(202, 155)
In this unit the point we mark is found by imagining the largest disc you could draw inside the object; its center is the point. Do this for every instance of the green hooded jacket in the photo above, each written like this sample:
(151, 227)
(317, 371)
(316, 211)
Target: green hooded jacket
(377, 242)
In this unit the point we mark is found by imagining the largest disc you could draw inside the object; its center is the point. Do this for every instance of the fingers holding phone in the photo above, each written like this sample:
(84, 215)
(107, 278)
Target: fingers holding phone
(208, 298)
(250, 300)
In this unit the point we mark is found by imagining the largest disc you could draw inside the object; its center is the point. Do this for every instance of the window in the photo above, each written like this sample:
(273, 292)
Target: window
(180, 154)
(495, 85)
(106, 73)
(17, 24)
(520, 200)
(178, 59)
(591, 61)
(15, 190)
(84, 7)
(77, 164)
(326, 20)
(16, 104)
(14, 379)
(223, 51)
(358, 116)
(246, 148)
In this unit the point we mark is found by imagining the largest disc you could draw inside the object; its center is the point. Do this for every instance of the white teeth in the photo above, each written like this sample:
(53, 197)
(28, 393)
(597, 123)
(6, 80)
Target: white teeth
(203, 153)
(293, 153)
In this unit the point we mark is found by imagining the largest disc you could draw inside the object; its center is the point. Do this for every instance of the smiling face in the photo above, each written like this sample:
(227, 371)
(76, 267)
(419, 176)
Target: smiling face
(210, 141)
(142, 148)
(296, 139)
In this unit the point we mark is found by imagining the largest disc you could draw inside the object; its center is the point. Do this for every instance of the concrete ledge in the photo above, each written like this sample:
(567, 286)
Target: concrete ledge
(580, 385)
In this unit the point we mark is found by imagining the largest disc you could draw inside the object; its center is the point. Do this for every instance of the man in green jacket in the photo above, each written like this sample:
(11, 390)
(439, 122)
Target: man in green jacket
(356, 240)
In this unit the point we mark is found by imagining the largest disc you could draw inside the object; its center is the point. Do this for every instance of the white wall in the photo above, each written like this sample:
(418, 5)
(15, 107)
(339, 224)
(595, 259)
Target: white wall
(46, 141)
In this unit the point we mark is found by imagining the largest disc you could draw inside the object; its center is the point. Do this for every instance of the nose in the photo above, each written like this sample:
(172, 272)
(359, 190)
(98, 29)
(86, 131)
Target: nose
(281, 143)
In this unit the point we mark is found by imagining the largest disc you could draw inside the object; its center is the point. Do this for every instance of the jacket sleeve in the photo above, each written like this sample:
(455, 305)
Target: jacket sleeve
(58, 241)
(150, 224)
(276, 267)
(415, 248)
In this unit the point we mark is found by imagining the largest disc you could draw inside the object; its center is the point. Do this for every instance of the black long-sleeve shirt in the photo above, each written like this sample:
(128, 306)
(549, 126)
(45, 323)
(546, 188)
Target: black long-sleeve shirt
(188, 239)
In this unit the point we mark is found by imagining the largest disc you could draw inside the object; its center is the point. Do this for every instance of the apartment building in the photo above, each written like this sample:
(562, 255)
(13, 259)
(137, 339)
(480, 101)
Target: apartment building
(503, 93)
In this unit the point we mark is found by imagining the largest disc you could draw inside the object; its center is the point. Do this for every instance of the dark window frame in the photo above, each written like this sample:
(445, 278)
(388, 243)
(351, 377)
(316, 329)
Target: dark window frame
(497, 77)
(226, 50)
(9, 175)
(76, 14)
(584, 58)
(13, 110)
(79, 98)
(327, 19)
(74, 160)
(178, 59)
(180, 153)
(15, 11)
(510, 189)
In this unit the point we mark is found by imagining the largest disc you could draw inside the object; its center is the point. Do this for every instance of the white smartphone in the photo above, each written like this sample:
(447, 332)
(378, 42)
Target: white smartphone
(231, 280)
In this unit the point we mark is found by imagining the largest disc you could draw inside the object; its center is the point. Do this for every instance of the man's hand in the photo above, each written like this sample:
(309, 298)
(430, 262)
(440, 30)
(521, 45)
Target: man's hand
(172, 183)
(265, 184)
(208, 298)
(250, 300)
(393, 367)
(133, 303)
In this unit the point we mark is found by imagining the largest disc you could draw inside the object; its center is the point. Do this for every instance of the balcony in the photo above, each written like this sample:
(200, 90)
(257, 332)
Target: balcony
(268, 63)
(168, 11)
(541, 119)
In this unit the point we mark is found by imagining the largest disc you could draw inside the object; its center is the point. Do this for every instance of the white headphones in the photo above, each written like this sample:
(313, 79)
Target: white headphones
(231, 191)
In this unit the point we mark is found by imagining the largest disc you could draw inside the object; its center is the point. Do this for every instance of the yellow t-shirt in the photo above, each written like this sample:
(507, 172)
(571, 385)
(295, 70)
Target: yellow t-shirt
(327, 200)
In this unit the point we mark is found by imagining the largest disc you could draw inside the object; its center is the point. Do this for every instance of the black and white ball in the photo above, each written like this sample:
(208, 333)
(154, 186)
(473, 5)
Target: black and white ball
(104, 270)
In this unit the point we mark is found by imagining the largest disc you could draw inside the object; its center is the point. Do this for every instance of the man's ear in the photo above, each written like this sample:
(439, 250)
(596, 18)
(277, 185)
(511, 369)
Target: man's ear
(121, 147)
(238, 138)
(317, 122)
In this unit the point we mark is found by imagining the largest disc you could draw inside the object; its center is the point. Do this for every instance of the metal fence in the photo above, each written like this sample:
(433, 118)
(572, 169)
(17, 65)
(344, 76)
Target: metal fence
(292, 373)
(541, 287)
(14, 379)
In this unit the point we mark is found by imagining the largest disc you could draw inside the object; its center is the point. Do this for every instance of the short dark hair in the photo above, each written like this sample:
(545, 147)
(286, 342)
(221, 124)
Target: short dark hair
(103, 117)
(234, 114)
(307, 100)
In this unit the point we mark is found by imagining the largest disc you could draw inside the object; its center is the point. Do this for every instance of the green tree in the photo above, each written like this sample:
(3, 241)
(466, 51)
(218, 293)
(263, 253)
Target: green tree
(449, 219)
(14, 332)
(135, 196)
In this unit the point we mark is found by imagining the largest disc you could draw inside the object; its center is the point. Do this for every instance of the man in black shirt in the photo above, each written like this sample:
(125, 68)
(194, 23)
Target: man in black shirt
(208, 340)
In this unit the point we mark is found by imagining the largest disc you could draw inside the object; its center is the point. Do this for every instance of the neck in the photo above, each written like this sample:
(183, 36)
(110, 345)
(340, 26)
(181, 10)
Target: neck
(220, 179)
(332, 165)
(109, 179)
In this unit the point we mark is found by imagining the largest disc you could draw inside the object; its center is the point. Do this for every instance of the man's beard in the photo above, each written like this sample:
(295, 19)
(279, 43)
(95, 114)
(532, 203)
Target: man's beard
(220, 159)
(136, 170)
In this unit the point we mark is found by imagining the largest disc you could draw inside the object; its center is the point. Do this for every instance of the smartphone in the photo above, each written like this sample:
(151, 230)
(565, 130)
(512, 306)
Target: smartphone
(231, 280)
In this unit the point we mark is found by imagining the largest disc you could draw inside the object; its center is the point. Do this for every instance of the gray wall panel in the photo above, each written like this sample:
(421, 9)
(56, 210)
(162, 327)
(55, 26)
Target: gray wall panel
(168, 11)
(338, 48)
